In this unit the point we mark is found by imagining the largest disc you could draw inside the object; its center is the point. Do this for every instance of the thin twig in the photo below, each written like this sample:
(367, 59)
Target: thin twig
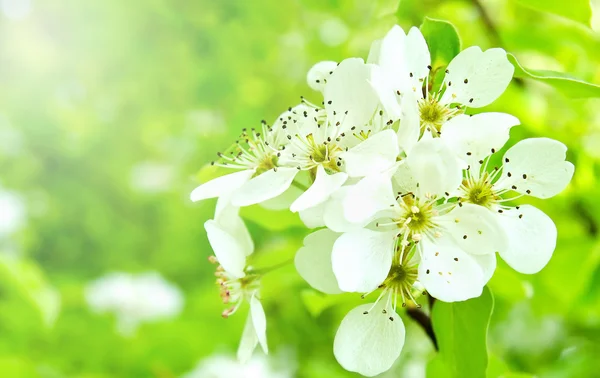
(425, 322)
(492, 31)
(488, 23)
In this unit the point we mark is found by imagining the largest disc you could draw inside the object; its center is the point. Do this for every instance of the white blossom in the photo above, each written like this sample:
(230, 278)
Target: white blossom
(231, 244)
(455, 242)
(348, 137)
(224, 366)
(474, 78)
(134, 299)
(258, 176)
(533, 167)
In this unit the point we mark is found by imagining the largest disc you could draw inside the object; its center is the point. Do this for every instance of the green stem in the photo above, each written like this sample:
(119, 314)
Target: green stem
(299, 186)
(269, 269)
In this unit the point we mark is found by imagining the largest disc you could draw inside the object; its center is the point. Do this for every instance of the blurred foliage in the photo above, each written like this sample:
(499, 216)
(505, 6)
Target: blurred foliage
(108, 109)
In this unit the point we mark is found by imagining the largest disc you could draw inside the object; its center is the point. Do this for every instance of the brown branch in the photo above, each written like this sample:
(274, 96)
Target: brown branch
(424, 321)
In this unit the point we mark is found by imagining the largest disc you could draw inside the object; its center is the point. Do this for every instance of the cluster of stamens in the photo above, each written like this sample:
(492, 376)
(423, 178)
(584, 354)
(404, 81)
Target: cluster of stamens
(433, 114)
(400, 285)
(252, 150)
(479, 188)
(415, 219)
(233, 290)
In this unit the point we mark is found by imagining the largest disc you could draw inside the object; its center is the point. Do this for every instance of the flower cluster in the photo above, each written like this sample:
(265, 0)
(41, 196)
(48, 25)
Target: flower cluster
(407, 190)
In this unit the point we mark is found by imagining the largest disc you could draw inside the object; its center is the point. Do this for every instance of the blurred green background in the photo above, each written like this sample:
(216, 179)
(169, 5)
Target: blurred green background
(108, 109)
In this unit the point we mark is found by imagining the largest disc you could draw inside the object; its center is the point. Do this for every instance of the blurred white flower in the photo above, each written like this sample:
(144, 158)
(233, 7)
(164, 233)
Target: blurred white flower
(15, 9)
(12, 213)
(152, 177)
(205, 122)
(334, 32)
(223, 366)
(134, 299)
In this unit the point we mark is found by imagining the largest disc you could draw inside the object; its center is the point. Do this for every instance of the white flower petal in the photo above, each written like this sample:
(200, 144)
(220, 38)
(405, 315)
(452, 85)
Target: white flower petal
(392, 59)
(284, 200)
(404, 59)
(403, 179)
(313, 217)
(473, 138)
(348, 90)
(386, 93)
(448, 273)
(410, 126)
(362, 259)
(265, 186)
(487, 264)
(230, 251)
(475, 229)
(248, 342)
(259, 322)
(366, 198)
(417, 56)
(434, 167)
(320, 190)
(334, 217)
(536, 167)
(289, 122)
(476, 78)
(374, 52)
(377, 153)
(228, 219)
(221, 185)
(313, 261)
(319, 73)
(370, 343)
(532, 239)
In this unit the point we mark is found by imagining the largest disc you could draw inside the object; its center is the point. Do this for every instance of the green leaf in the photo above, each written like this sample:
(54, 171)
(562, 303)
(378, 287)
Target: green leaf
(461, 331)
(576, 10)
(437, 368)
(27, 279)
(270, 219)
(442, 39)
(316, 302)
(564, 83)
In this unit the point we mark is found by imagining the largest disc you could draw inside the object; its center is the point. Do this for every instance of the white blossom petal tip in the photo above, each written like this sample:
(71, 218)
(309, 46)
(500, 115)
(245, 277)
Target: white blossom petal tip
(369, 339)
(476, 78)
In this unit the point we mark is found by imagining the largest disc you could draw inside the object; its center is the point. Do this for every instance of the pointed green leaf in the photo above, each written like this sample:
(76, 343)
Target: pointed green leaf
(461, 332)
(26, 278)
(442, 39)
(576, 10)
(564, 83)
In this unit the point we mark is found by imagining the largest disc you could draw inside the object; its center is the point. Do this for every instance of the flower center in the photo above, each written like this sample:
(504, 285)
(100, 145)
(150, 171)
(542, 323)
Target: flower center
(234, 290)
(320, 153)
(253, 150)
(324, 154)
(416, 217)
(401, 277)
(433, 114)
(267, 163)
(401, 283)
(479, 192)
